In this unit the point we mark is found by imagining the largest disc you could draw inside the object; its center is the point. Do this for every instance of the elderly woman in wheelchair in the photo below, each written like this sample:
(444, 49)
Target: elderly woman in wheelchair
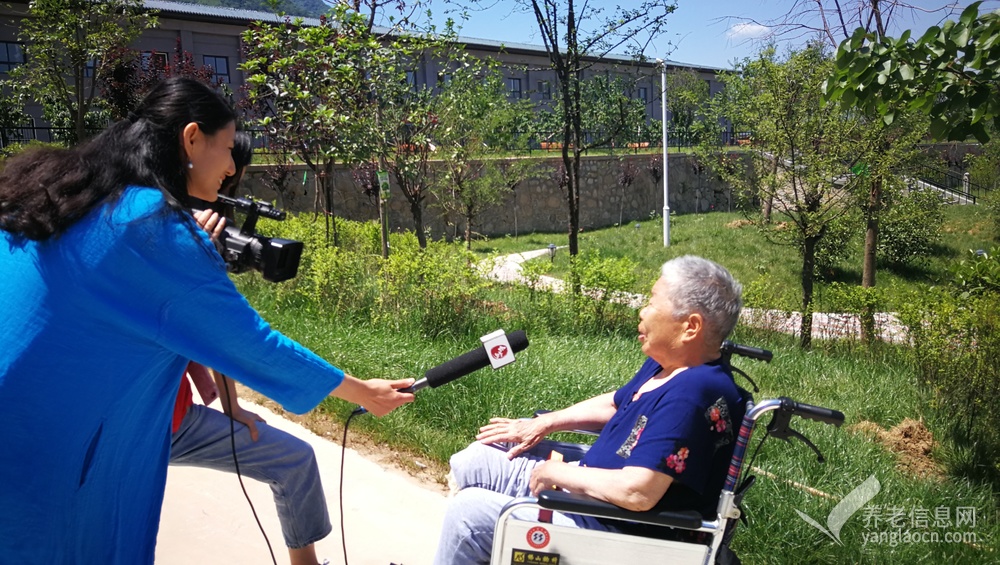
(666, 437)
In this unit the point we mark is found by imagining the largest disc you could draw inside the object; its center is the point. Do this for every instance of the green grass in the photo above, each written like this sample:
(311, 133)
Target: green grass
(745, 251)
(563, 366)
(556, 370)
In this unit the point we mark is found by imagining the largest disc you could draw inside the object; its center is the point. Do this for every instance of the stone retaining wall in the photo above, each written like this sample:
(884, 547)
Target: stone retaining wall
(537, 205)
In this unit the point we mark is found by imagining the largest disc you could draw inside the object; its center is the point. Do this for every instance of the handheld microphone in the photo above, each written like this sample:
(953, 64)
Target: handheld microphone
(460, 366)
(467, 363)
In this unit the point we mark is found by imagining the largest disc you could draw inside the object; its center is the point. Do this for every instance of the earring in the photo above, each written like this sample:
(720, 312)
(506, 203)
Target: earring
(190, 165)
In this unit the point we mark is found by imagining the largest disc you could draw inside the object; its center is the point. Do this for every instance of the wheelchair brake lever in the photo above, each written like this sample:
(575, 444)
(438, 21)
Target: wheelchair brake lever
(805, 440)
(779, 427)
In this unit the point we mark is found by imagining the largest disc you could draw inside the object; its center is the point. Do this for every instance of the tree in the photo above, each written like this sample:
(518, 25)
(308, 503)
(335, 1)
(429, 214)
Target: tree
(612, 116)
(687, 94)
(477, 122)
(800, 158)
(126, 75)
(409, 123)
(309, 88)
(887, 147)
(952, 74)
(64, 42)
(575, 36)
(627, 171)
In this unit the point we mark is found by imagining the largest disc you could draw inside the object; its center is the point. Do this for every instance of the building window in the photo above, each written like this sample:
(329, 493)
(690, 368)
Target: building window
(153, 61)
(411, 79)
(89, 68)
(545, 89)
(514, 87)
(11, 55)
(644, 94)
(220, 68)
(444, 79)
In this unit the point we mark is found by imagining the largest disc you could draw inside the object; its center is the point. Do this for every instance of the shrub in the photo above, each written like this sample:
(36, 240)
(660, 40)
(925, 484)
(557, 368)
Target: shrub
(910, 227)
(956, 337)
(15, 148)
(978, 274)
(436, 289)
(602, 304)
(835, 245)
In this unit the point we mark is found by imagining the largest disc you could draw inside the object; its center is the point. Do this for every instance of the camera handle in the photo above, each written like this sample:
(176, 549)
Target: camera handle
(253, 210)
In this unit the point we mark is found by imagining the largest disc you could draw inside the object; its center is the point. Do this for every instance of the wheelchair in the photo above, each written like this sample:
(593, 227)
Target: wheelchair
(530, 542)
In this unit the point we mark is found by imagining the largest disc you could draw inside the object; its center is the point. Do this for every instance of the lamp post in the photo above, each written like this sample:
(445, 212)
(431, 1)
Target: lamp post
(552, 252)
(666, 165)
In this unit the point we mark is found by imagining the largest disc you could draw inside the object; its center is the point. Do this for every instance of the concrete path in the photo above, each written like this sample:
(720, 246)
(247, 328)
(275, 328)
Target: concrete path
(390, 516)
(825, 326)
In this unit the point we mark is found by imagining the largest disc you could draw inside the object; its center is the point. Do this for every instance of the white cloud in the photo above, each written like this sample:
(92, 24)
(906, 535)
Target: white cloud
(747, 30)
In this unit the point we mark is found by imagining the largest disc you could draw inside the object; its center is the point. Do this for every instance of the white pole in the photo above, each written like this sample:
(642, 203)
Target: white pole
(666, 165)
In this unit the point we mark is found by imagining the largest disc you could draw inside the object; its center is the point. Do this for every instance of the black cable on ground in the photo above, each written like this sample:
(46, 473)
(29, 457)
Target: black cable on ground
(343, 453)
(236, 463)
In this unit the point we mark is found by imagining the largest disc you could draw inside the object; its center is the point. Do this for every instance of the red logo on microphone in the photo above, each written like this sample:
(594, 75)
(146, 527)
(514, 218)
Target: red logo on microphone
(498, 351)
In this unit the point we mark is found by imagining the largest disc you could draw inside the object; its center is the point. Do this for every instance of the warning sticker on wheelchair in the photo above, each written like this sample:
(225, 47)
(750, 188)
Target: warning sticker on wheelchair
(538, 537)
(525, 557)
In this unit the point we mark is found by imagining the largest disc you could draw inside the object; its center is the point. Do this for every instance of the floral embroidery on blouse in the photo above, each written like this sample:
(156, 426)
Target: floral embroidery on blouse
(719, 422)
(677, 461)
(633, 438)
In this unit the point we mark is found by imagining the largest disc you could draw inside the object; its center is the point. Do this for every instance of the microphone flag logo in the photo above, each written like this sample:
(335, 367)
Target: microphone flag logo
(498, 349)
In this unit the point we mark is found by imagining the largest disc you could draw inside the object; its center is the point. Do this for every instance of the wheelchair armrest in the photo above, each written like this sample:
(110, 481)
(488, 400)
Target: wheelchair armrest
(575, 503)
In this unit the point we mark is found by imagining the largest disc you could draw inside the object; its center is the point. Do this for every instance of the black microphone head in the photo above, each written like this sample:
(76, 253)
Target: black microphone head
(518, 340)
(471, 361)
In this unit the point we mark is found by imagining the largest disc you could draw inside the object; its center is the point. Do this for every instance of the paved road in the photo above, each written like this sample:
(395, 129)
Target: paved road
(390, 516)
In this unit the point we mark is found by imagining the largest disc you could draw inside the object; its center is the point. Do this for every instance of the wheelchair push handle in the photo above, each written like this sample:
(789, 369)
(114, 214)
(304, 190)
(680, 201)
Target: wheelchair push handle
(810, 412)
(728, 348)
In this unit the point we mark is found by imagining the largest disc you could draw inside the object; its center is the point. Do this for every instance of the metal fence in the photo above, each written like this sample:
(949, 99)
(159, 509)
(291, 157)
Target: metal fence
(951, 181)
(45, 134)
(552, 142)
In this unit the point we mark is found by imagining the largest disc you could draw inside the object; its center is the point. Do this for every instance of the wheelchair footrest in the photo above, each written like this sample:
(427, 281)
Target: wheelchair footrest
(575, 503)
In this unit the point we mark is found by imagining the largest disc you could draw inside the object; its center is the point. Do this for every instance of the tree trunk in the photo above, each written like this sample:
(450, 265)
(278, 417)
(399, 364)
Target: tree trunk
(808, 268)
(769, 201)
(469, 217)
(872, 213)
(328, 176)
(418, 221)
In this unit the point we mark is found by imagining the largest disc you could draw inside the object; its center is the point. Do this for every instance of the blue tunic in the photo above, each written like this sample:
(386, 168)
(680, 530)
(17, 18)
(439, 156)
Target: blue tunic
(96, 327)
(685, 428)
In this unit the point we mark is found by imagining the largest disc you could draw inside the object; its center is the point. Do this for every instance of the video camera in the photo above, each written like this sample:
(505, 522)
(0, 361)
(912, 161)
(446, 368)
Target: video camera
(242, 248)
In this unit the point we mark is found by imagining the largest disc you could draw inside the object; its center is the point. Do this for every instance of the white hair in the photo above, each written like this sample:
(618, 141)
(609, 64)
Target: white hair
(699, 285)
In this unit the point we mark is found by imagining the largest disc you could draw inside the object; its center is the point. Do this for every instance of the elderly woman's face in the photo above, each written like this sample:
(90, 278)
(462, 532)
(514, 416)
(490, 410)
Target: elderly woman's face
(659, 331)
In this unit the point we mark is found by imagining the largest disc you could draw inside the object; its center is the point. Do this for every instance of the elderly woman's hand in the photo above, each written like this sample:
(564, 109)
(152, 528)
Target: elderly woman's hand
(525, 433)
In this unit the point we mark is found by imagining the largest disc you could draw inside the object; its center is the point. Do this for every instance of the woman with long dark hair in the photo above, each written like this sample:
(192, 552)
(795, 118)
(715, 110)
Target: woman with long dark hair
(109, 288)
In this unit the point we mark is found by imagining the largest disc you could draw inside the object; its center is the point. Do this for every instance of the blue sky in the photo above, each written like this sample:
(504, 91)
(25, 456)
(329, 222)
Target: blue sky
(711, 33)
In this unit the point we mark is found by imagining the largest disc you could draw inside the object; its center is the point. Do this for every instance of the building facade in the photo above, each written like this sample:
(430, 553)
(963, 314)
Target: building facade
(212, 35)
